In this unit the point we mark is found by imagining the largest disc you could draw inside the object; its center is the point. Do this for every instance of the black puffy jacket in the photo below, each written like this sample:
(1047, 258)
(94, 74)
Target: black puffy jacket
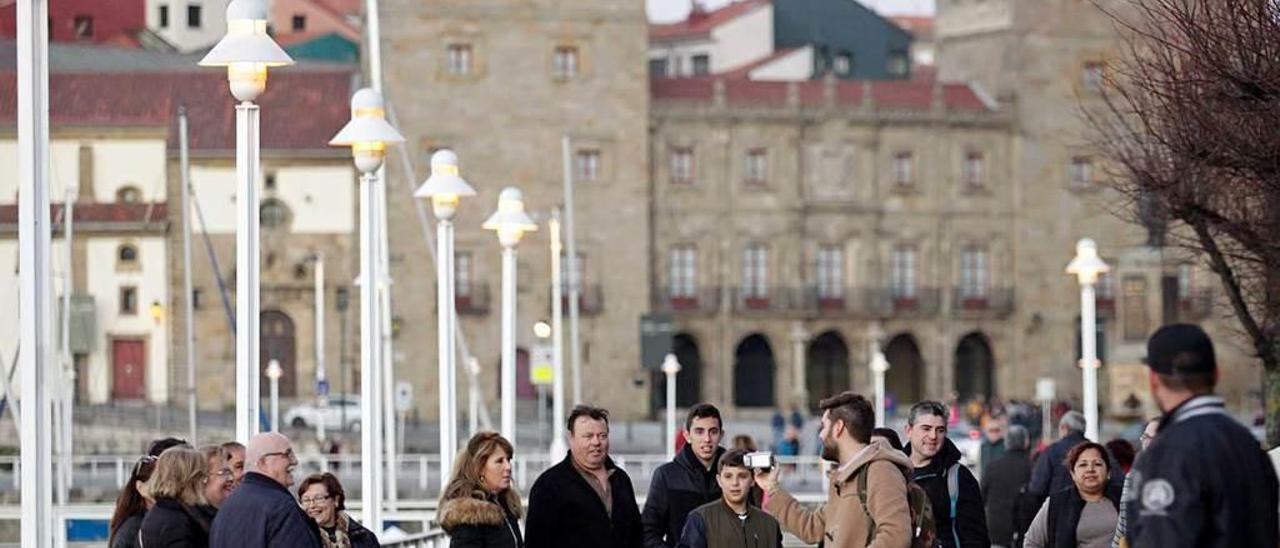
(970, 522)
(170, 524)
(677, 488)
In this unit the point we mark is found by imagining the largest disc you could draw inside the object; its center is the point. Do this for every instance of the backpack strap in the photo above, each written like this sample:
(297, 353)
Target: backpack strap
(953, 491)
(862, 498)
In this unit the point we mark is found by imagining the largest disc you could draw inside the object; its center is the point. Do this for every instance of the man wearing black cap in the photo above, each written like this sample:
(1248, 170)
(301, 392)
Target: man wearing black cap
(1205, 480)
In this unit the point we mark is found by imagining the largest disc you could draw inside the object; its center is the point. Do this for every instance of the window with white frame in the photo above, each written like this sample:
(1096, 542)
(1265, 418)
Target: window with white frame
(459, 59)
(975, 169)
(973, 272)
(903, 168)
(684, 271)
(755, 271)
(462, 274)
(830, 271)
(588, 164)
(1082, 171)
(903, 272)
(682, 165)
(565, 62)
(757, 164)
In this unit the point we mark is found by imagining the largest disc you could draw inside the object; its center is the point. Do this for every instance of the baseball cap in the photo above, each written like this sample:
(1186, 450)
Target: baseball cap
(1180, 349)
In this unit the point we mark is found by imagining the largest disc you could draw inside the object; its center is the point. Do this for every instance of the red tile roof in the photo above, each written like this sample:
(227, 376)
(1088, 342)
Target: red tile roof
(700, 23)
(895, 95)
(301, 110)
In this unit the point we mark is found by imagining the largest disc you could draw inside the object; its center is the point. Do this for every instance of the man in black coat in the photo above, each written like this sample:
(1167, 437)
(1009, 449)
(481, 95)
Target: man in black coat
(953, 492)
(685, 483)
(1204, 481)
(1002, 481)
(261, 512)
(585, 500)
(1050, 473)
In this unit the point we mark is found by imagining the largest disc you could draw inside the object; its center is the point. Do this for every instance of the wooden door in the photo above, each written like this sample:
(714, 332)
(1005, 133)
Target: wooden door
(129, 369)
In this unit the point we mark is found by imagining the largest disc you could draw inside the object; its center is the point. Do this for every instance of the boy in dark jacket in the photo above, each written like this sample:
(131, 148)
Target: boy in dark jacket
(730, 522)
(685, 483)
(953, 491)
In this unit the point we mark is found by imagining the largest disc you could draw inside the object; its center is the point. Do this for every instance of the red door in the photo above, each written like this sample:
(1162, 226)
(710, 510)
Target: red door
(129, 369)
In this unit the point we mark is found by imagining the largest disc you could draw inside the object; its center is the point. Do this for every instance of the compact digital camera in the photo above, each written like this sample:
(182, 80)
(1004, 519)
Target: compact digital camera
(760, 460)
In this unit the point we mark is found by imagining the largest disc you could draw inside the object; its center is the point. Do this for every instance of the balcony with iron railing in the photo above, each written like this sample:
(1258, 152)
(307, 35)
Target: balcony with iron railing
(699, 300)
(473, 301)
(992, 302)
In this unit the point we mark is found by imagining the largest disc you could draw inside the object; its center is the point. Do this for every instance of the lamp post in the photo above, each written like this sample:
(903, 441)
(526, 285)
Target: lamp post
(368, 134)
(273, 376)
(322, 380)
(247, 51)
(445, 188)
(510, 222)
(1088, 267)
(801, 389)
(670, 367)
(879, 366)
(558, 447)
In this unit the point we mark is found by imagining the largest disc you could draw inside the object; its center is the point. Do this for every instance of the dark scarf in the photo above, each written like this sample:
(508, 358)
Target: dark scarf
(1065, 508)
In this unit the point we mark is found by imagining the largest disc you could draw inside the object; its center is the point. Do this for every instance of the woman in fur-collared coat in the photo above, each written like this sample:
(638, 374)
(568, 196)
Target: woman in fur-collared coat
(479, 508)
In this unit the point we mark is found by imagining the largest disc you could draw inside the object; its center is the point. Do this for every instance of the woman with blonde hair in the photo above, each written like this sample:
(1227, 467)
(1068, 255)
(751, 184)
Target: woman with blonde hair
(479, 509)
(177, 485)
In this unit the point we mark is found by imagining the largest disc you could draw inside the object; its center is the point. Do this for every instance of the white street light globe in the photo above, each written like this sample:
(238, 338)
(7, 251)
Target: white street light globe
(246, 50)
(273, 369)
(445, 186)
(510, 221)
(670, 365)
(368, 132)
(1086, 265)
(541, 330)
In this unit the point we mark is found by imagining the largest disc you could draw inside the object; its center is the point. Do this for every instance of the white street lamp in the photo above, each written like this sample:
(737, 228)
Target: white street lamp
(558, 445)
(445, 187)
(247, 51)
(879, 366)
(1088, 267)
(670, 367)
(799, 336)
(368, 134)
(322, 381)
(273, 376)
(510, 222)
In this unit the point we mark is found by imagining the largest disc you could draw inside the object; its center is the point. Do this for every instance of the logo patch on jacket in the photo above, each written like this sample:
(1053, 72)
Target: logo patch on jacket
(1157, 495)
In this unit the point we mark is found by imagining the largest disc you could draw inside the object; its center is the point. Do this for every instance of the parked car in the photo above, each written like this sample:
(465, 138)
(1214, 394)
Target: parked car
(307, 415)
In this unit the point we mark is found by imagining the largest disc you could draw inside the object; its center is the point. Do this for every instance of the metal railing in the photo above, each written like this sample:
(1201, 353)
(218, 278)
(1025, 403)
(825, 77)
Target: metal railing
(990, 302)
(435, 538)
(701, 300)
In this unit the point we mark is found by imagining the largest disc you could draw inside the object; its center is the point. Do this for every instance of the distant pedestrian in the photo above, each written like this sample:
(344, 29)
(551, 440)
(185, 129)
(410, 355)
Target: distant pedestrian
(744, 442)
(1122, 453)
(867, 499)
(797, 418)
(1003, 480)
(177, 485)
(888, 435)
(685, 483)
(954, 494)
(132, 505)
(325, 501)
(479, 508)
(235, 460)
(1083, 515)
(731, 521)
(1204, 481)
(586, 500)
(993, 431)
(262, 512)
(1144, 441)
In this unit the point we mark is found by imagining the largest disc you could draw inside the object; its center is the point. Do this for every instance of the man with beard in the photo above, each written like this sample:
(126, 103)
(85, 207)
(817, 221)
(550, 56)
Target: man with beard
(954, 493)
(685, 483)
(262, 512)
(878, 516)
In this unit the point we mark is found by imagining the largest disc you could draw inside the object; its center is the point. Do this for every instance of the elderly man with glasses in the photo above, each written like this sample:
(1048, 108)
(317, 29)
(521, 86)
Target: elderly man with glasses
(262, 512)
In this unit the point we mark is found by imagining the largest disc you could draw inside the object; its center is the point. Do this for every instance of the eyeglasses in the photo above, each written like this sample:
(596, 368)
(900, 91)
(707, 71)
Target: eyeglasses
(314, 500)
(286, 454)
(225, 473)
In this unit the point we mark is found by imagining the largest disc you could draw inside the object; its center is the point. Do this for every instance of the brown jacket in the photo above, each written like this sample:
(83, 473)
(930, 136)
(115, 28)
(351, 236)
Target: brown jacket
(841, 521)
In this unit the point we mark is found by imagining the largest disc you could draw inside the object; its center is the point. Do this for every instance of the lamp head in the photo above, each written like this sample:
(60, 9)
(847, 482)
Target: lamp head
(542, 330)
(670, 365)
(445, 187)
(878, 363)
(1086, 265)
(246, 50)
(368, 132)
(273, 370)
(510, 220)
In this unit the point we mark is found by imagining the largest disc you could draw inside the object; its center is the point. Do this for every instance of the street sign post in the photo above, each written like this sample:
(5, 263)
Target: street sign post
(542, 365)
(655, 339)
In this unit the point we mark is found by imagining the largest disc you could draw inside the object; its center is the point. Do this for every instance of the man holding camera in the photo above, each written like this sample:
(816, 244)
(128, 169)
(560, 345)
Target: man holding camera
(884, 519)
(731, 522)
(685, 483)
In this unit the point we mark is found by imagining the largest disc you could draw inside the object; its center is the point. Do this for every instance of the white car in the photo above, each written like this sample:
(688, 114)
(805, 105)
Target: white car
(308, 415)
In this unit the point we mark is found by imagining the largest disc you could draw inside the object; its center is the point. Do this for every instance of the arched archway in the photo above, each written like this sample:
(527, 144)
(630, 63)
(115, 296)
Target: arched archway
(826, 368)
(688, 380)
(753, 370)
(277, 341)
(975, 368)
(904, 382)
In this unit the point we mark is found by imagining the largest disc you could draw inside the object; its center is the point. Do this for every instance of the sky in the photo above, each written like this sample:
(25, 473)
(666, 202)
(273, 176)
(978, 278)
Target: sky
(664, 11)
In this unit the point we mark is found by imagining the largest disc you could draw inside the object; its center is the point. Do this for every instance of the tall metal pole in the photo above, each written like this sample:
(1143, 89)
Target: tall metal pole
(248, 395)
(65, 398)
(575, 289)
(509, 343)
(371, 449)
(473, 392)
(1089, 359)
(801, 389)
(184, 167)
(273, 378)
(35, 244)
(446, 348)
(558, 448)
(386, 365)
(321, 375)
(670, 368)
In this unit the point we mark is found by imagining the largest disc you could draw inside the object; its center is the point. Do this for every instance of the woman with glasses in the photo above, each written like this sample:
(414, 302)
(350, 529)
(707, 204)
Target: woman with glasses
(479, 508)
(178, 486)
(220, 481)
(322, 497)
(132, 505)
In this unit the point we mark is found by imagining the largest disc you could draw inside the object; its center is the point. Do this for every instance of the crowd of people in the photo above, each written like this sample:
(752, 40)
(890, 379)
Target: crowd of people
(1200, 480)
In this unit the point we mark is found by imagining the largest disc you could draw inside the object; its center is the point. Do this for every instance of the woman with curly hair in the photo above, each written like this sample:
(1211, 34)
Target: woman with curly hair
(479, 509)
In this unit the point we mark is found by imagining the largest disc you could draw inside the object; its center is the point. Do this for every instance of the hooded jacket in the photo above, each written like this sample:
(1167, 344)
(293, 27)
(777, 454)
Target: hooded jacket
(970, 524)
(482, 520)
(677, 488)
(842, 521)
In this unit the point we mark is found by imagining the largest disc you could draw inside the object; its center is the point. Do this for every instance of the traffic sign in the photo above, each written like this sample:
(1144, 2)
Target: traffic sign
(655, 339)
(322, 387)
(404, 396)
(541, 365)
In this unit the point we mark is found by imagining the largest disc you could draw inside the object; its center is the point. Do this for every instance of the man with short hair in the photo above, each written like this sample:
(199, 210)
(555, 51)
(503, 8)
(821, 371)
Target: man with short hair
(1050, 474)
(954, 493)
(685, 483)
(235, 460)
(585, 500)
(853, 517)
(1203, 481)
(262, 512)
(731, 522)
